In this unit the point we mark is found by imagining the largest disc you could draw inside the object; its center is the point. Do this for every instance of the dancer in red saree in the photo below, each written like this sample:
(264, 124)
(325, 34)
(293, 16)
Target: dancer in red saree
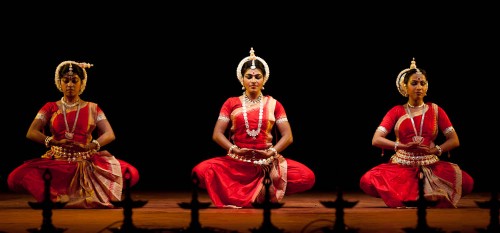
(416, 125)
(83, 175)
(236, 179)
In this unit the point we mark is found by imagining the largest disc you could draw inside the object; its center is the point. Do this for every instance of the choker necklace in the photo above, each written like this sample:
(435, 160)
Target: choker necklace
(69, 134)
(411, 106)
(253, 133)
(257, 100)
(69, 105)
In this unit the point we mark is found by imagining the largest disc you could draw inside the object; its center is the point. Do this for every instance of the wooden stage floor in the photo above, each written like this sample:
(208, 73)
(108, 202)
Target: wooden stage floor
(300, 213)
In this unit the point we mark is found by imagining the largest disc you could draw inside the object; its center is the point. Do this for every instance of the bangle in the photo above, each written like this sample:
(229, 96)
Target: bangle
(231, 149)
(47, 141)
(440, 151)
(275, 152)
(98, 145)
(396, 144)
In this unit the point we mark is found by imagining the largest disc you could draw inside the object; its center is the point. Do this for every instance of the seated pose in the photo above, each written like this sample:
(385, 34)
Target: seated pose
(416, 125)
(82, 175)
(235, 180)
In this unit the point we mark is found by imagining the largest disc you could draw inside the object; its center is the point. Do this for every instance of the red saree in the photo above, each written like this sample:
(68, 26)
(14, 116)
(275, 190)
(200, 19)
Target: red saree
(233, 183)
(397, 181)
(90, 181)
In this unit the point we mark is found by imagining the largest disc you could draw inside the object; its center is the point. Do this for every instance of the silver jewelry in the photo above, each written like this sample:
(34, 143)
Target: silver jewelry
(47, 141)
(69, 134)
(274, 151)
(253, 133)
(411, 106)
(83, 65)
(252, 57)
(401, 76)
(418, 137)
(230, 151)
(257, 100)
(98, 145)
(70, 73)
(266, 161)
(69, 105)
(440, 151)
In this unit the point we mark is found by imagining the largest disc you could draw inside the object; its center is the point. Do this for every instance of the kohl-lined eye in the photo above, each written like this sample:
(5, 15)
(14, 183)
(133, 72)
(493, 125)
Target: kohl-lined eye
(422, 83)
(67, 80)
(257, 76)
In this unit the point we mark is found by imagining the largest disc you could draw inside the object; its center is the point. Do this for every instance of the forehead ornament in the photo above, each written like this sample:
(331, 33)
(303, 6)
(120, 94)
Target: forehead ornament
(70, 73)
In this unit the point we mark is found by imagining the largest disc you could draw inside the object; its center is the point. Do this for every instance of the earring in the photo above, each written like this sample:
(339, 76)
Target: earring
(243, 88)
(263, 88)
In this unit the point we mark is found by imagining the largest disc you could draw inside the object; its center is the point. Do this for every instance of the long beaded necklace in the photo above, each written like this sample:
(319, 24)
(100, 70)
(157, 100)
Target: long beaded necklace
(418, 137)
(69, 134)
(253, 133)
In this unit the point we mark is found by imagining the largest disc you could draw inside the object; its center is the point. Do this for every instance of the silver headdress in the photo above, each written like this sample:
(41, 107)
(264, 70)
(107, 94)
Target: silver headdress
(83, 65)
(252, 58)
(401, 77)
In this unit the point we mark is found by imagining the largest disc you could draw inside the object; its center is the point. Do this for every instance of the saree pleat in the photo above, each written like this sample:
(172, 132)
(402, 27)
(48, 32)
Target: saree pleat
(95, 184)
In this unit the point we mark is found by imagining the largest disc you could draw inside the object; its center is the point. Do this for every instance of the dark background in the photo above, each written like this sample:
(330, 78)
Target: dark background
(161, 75)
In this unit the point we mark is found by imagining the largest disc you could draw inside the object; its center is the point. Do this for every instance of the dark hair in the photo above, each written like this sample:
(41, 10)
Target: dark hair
(248, 64)
(76, 69)
(410, 72)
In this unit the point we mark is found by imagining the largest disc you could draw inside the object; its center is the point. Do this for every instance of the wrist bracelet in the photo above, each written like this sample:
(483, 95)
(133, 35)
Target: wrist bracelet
(47, 141)
(230, 151)
(275, 152)
(396, 144)
(440, 151)
(98, 145)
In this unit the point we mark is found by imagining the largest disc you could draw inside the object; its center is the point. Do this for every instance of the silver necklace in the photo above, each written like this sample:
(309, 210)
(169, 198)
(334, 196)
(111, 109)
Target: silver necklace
(411, 106)
(257, 100)
(253, 133)
(69, 134)
(69, 105)
(418, 137)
